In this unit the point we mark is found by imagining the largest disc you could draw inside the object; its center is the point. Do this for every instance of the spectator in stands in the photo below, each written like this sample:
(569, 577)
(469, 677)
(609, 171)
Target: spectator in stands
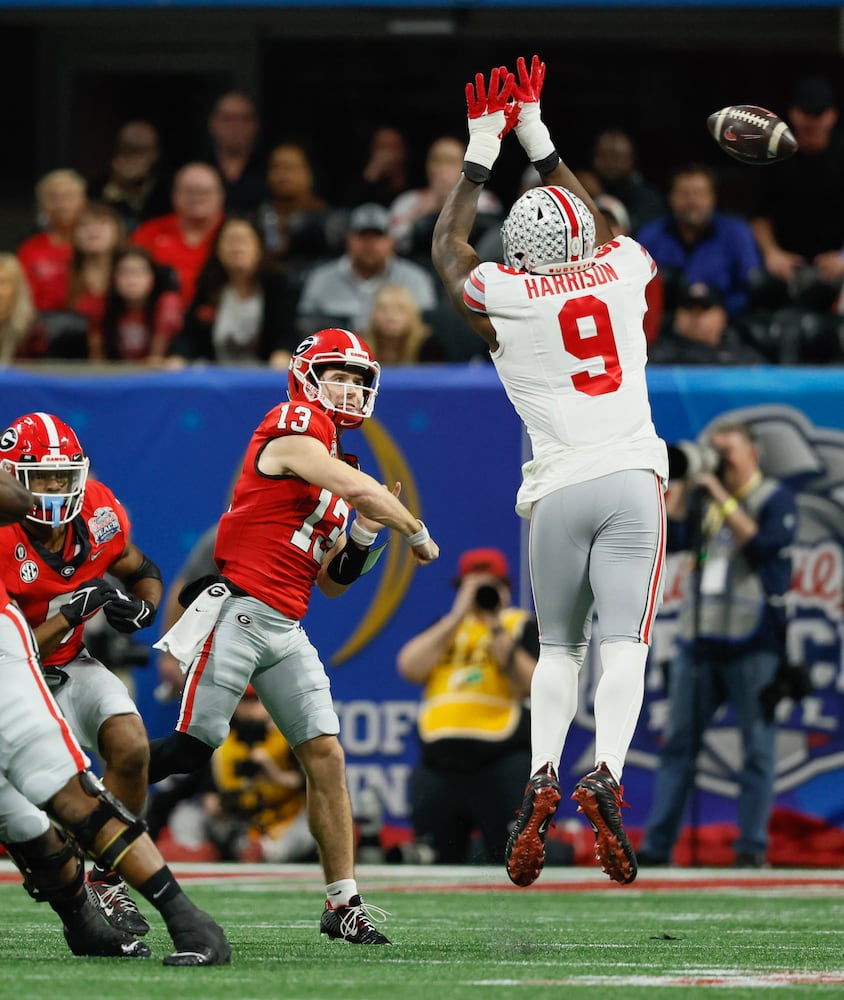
(17, 314)
(244, 309)
(292, 219)
(614, 171)
(701, 333)
(802, 250)
(476, 663)
(135, 185)
(386, 174)
(97, 236)
(618, 219)
(397, 333)
(233, 128)
(341, 292)
(46, 256)
(183, 239)
(696, 243)
(413, 214)
(142, 312)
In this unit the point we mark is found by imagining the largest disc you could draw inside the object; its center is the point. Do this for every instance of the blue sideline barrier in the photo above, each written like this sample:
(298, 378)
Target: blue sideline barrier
(169, 443)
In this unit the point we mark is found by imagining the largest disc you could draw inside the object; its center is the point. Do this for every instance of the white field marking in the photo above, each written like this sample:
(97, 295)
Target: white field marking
(731, 978)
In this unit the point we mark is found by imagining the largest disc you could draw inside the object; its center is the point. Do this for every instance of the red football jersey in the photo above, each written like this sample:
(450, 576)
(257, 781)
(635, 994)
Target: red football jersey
(272, 540)
(40, 581)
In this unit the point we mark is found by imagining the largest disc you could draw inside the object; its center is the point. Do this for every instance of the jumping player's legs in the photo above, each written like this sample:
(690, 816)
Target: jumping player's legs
(627, 571)
(598, 542)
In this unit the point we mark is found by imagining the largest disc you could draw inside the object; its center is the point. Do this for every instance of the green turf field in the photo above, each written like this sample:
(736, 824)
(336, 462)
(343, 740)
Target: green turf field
(463, 934)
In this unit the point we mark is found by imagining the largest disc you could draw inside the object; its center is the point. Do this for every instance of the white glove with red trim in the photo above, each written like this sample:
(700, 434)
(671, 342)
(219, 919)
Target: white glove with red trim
(488, 122)
(531, 131)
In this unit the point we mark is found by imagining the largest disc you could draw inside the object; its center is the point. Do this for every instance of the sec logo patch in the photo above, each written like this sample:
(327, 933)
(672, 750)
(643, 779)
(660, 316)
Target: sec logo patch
(29, 571)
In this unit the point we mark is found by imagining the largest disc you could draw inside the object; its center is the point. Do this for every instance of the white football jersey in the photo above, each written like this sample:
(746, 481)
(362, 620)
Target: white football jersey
(571, 357)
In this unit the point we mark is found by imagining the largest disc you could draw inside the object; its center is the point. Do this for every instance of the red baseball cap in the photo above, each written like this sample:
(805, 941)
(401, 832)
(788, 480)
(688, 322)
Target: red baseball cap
(492, 561)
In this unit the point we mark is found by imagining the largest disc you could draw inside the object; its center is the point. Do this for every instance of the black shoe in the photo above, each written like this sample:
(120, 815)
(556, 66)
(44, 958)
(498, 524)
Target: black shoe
(524, 855)
(748, 859)
(204, 944)
(112, 899)
(88, 933)
(352, 922)
(599, 798)
(650, 859)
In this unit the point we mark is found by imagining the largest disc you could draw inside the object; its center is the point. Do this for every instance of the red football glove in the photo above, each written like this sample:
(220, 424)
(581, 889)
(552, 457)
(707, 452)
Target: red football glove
(487, 122)
(531, 131)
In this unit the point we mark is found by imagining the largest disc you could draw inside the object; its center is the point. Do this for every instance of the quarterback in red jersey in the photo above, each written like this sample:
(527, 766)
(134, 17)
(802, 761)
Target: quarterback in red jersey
(284, 532)
(52, 565)
(42, 764)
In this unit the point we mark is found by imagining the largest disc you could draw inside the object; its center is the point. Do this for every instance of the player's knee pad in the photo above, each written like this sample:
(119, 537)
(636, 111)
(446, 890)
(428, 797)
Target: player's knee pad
(576, 652)
(177, 753)
(108, 808)
(41, 872)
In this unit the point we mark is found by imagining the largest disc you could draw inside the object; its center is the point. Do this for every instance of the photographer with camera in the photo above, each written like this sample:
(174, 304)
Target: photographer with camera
(476, 665)
(737, 525)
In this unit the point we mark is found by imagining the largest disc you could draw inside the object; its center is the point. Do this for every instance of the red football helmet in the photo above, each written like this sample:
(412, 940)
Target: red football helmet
(334, 349)
(44, 454)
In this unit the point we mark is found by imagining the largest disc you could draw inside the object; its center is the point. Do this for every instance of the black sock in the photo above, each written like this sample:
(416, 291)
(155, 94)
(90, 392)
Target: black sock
(161, 888)
(67, 907)
(177, 753)
(100, 874)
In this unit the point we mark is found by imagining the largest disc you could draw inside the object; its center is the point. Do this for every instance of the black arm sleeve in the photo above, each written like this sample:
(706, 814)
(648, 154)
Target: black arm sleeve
(347, 565)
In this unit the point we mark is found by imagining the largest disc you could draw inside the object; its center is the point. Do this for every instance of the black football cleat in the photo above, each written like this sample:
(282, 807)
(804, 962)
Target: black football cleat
(89, 934)
(524, 855)
(353, 922)
(599, 798)
(204, 944)
(112, 899)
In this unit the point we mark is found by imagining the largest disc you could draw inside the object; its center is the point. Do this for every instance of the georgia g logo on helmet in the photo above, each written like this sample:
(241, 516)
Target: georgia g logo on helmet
(43, 453)
(340, 349)
(8, 439)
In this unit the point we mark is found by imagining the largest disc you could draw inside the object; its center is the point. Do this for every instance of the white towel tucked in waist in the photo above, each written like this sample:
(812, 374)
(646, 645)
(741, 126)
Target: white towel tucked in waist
(186, 638)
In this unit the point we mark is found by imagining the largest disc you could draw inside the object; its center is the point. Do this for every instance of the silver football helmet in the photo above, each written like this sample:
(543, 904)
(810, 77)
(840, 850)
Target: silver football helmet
(548, 230)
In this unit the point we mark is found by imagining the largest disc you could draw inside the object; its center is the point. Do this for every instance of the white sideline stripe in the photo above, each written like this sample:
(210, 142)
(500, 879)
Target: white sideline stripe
(400, 876)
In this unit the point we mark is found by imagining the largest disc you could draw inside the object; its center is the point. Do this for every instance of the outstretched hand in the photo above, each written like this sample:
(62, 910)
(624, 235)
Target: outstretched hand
(481, 100)
(529, 86)
(488, 121)
(526, 117)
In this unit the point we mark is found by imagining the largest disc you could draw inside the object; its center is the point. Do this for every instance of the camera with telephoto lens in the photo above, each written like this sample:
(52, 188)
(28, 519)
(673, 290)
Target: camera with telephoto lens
(688, 459)
(792, 680)
(487, 597)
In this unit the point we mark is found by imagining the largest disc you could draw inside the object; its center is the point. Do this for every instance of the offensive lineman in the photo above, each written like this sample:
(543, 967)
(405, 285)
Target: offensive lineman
(284, 531)
(52, 564)
(564, 325)
(41, 764)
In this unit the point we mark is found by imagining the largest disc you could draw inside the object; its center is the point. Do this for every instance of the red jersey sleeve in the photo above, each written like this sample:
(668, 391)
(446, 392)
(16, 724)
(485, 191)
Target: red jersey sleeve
(272, 541)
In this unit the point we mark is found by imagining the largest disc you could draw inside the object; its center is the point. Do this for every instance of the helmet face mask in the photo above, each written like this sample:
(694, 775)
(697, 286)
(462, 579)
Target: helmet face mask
(44, 455)
(347, 402)
(547, 231)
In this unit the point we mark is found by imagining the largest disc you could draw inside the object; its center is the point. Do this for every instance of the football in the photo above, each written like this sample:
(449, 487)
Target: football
(751, 134)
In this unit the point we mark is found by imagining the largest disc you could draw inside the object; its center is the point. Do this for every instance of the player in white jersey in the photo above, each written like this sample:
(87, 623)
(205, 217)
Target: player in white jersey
(563, 320)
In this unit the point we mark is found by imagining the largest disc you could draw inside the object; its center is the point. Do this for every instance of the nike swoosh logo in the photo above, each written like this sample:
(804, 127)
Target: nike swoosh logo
(155, 895)
(96, 555)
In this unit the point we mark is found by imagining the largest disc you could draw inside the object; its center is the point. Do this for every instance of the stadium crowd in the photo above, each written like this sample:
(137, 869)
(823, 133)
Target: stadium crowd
(236, 255)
